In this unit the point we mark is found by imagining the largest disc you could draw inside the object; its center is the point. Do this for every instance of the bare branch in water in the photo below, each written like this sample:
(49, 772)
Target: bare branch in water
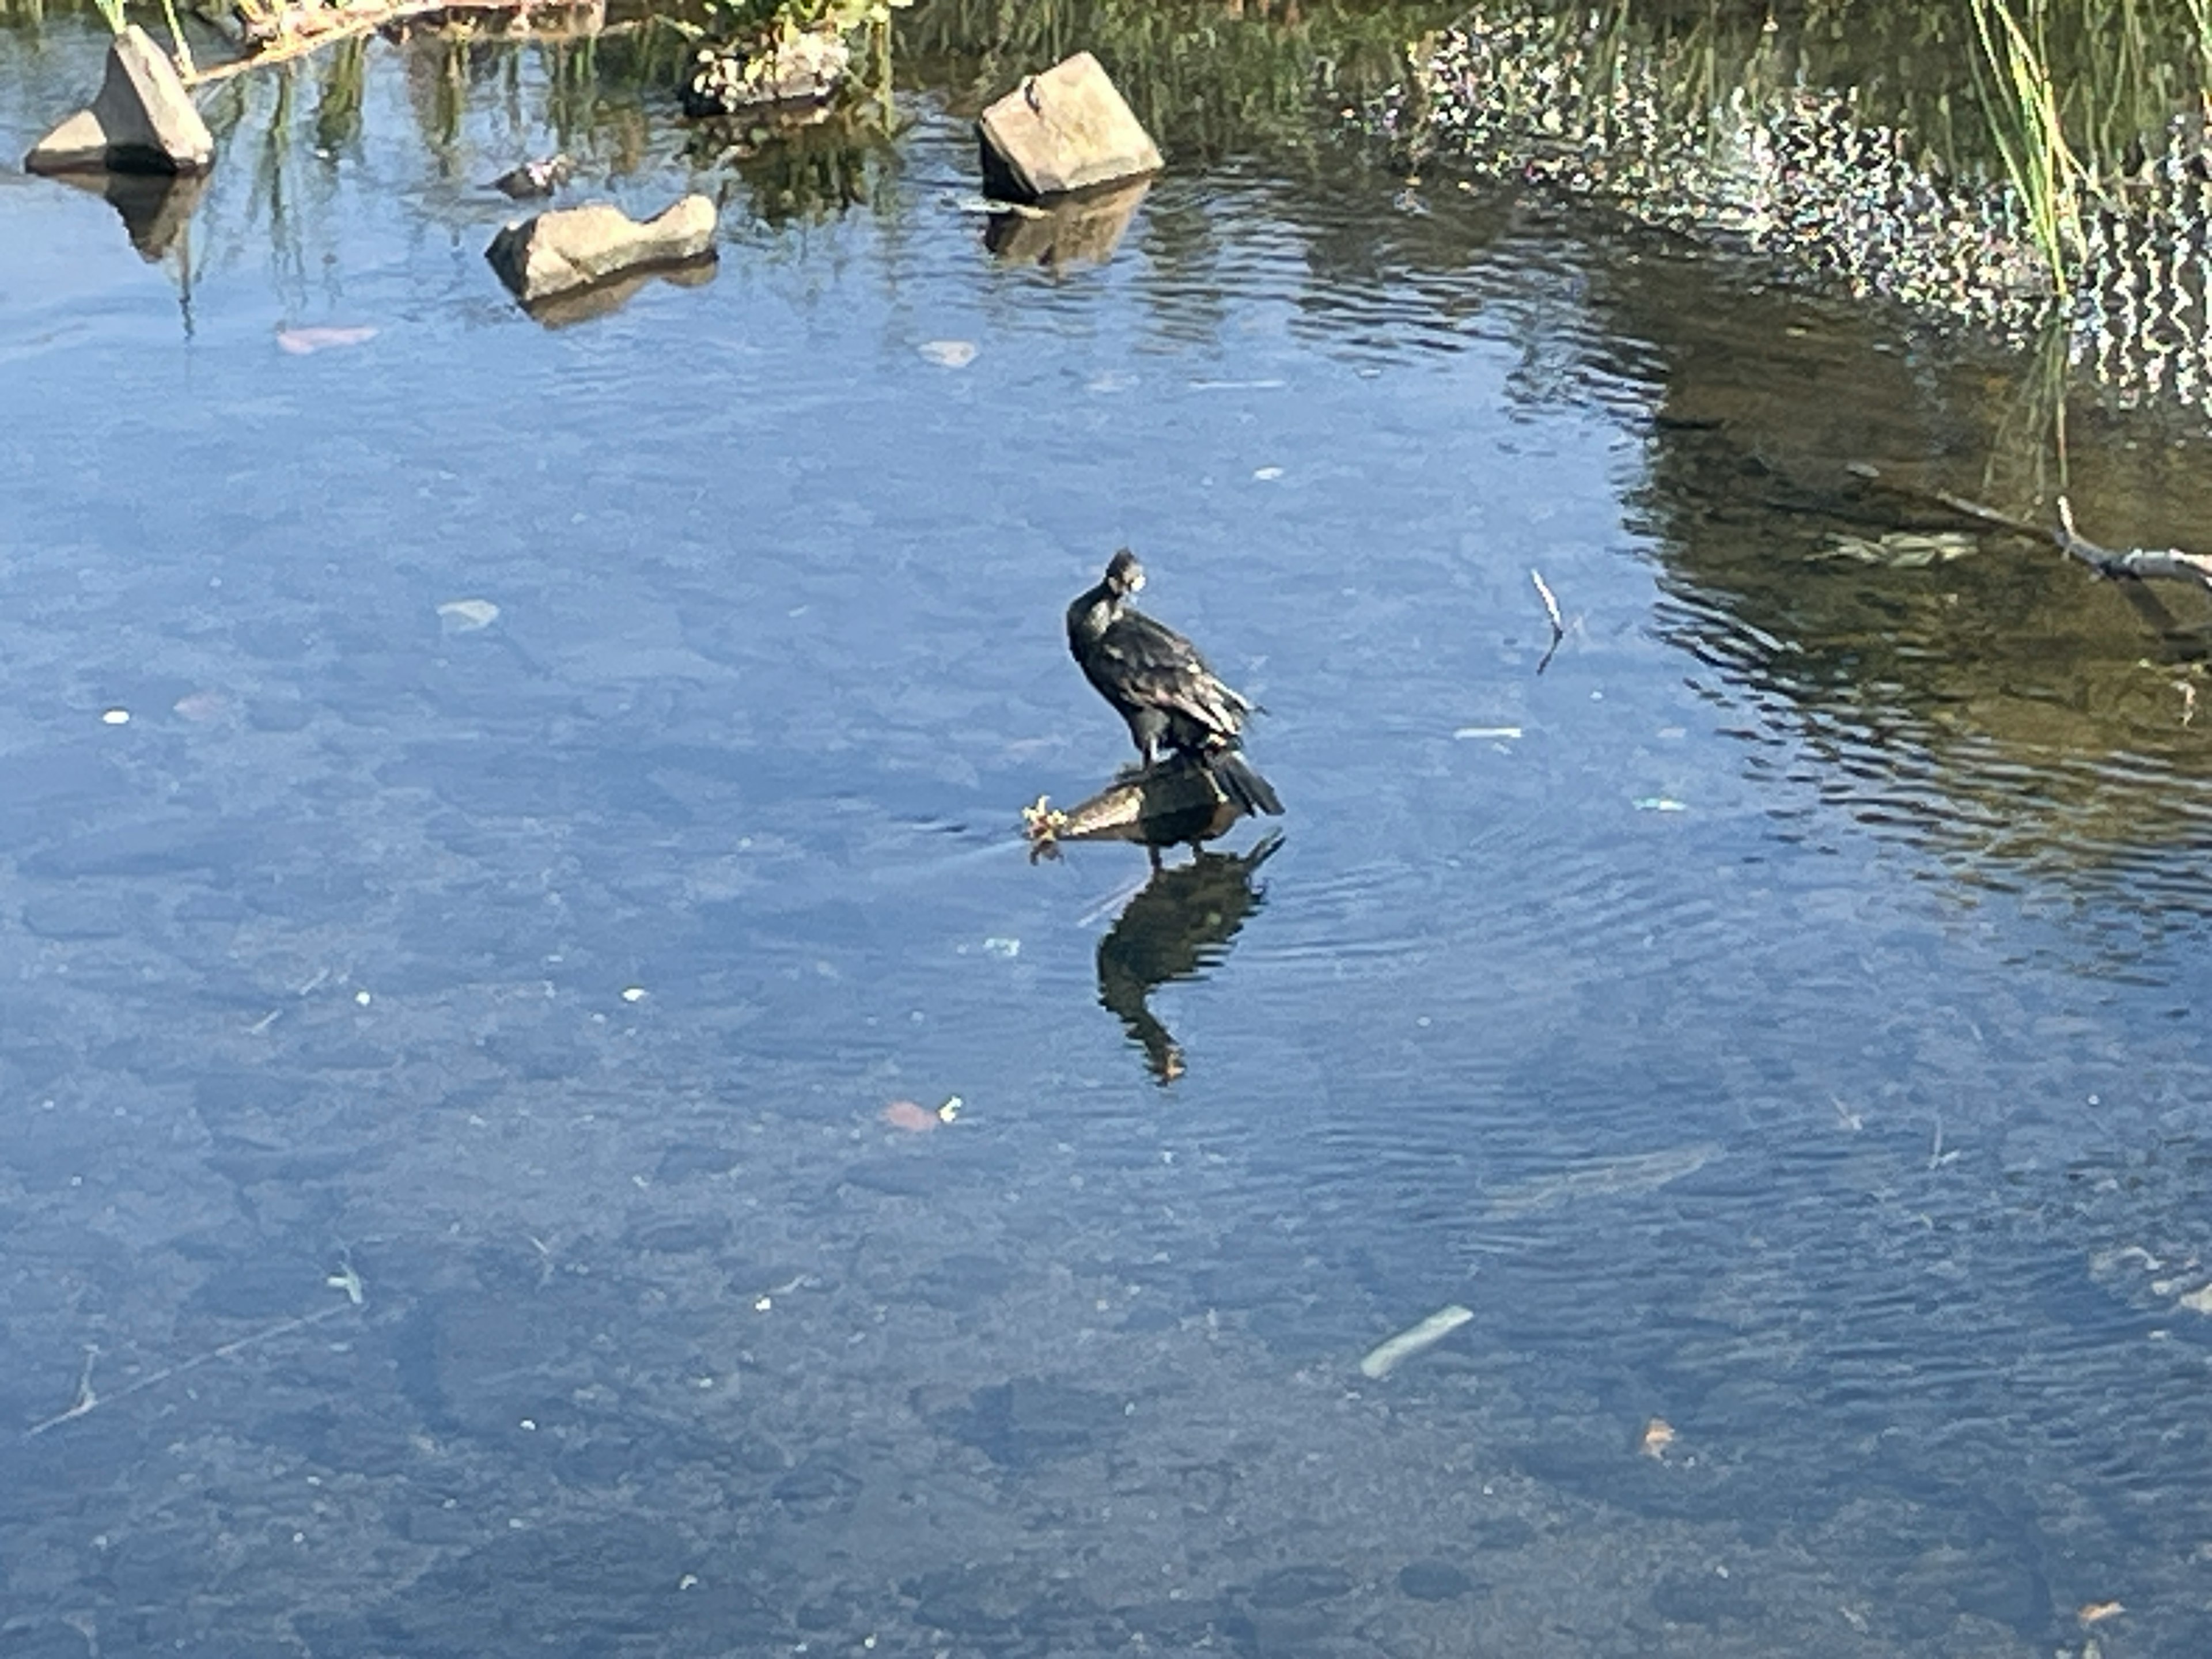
(2134, 563)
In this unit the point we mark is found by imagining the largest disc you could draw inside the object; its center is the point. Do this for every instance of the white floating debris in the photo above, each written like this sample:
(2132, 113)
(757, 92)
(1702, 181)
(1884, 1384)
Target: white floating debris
(1505, 732)
(467, 615)
(1007, 948)
(949, 354)
(1660, 803)
(1398, 1349)
(364, 998)
(304, 342)
(115, 717)
(1267, 474)
(633, 993)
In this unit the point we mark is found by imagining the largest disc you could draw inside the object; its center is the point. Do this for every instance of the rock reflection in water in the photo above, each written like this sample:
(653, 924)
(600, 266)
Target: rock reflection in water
(1181, 924)
(582, 304)
(156, 208)
(1082, 229)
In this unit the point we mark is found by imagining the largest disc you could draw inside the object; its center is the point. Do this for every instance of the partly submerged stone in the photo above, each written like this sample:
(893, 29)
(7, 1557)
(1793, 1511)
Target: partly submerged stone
(576, 248)
(1067, 129)
(142, 121)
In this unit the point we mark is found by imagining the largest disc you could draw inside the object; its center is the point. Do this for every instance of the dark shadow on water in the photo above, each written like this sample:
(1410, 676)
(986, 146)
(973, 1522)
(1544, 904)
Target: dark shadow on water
(1179, 925)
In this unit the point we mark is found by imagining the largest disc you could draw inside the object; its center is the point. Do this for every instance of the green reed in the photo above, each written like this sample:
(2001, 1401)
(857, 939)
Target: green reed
(2020, 97)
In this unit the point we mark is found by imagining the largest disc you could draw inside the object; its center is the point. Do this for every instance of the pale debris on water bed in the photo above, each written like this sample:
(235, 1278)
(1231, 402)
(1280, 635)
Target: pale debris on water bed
(467, 615)
(920, 1120)
(1611, 1177)
(1901, 550)
(1389, 1356)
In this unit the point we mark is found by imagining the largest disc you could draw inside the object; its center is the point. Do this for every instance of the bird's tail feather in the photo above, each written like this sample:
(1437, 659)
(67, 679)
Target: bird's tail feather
(1243, 785)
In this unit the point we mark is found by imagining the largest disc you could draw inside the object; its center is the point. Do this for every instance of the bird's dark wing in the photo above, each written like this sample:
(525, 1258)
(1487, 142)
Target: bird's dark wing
(1156, 667)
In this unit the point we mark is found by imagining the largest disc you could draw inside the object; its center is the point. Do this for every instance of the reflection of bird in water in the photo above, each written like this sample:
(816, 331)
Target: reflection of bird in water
(1159, 685)
(1180, 924)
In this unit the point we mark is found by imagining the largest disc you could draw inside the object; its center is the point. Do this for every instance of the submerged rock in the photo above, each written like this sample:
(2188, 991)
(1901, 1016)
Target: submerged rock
(1066, 130)
(573, 248)
(142, 121)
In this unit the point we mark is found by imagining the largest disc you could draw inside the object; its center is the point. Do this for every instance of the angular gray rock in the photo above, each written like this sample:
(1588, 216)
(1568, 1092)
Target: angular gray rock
(1067, 129)
(575, 247)
(142, 121)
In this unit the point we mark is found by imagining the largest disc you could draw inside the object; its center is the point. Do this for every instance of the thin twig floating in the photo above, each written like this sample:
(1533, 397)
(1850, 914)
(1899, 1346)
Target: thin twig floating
(88, 1401)
(1551, 611)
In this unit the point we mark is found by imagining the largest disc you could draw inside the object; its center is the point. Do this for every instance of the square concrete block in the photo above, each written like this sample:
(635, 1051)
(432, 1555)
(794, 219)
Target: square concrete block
(1067, 129)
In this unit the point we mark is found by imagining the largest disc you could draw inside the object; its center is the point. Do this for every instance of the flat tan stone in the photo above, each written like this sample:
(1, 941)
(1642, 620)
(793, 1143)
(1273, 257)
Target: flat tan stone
(575, 247)
(142, 121)
(1066, 130)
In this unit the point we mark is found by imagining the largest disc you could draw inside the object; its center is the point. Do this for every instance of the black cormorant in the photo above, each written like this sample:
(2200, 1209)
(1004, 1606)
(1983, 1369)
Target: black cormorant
(1159, 685)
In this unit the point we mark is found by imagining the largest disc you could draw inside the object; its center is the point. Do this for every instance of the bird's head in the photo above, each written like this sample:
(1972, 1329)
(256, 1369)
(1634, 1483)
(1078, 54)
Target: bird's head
(1124, 575)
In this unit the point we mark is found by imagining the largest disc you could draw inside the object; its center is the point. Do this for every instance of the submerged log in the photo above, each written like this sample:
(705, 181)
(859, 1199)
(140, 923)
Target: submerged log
(1176, 801)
